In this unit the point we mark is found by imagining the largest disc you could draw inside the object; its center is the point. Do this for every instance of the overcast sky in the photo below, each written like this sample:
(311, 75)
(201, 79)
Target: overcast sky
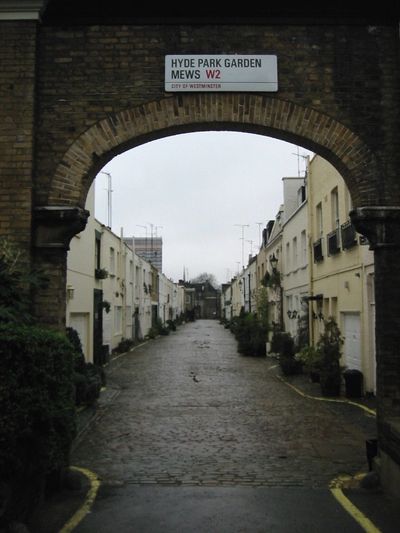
(197, 190)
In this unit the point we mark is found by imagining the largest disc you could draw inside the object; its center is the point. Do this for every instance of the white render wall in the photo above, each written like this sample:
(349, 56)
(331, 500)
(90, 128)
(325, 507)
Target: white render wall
(126, 289)
(295, 271)
(81, 282)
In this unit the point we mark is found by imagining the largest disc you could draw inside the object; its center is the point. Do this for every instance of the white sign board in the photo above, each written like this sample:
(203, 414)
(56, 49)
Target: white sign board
(187, 73)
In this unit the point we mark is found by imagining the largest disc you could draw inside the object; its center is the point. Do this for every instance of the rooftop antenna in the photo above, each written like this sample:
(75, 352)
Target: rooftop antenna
(299, 155)
(242, 239)
(145, 242)
(109, 192)
(155, 232)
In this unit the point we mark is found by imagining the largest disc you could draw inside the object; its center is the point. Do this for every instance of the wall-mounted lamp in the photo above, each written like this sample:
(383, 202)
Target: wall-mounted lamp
(274, 262)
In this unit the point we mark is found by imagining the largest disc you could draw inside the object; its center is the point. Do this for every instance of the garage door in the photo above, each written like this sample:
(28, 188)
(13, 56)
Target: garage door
(352, 340)
(80, 322)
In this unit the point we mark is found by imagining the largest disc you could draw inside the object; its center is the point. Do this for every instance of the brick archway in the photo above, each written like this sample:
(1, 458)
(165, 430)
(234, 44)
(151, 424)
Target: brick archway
(270, 116)
(178, 114)
(79, 92)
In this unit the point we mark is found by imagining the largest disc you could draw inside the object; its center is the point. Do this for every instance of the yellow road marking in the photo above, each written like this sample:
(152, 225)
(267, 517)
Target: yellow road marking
(336, 484)
(354, 512)
(322, 399)
(87, 505)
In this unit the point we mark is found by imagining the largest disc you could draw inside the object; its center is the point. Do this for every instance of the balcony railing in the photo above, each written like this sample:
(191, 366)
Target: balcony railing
(318, 253)
(333, 242)
(349, 237)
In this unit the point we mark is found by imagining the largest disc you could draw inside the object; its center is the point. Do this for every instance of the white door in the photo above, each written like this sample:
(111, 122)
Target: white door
(108, 328)
(373, 354)
(80, 322)
(352, 340)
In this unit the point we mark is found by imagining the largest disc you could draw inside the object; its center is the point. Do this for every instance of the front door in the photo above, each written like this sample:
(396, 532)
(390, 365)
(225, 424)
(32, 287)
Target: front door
(98, 327)
(352, 340)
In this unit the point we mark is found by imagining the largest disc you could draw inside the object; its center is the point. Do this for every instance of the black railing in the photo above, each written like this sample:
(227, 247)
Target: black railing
(318, 253)
(333, 242)
(349, 237)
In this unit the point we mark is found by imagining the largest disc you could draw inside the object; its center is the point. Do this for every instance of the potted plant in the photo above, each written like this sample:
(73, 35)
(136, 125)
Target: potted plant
(329, 349)
(100, 273)
(289, 364)
(310, 357)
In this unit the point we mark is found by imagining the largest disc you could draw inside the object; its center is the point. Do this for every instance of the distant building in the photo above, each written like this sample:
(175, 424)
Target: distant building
(150, 249)
(202, 299)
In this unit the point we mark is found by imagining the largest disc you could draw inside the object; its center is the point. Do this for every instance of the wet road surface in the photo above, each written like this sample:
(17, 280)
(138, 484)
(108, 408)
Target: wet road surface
(198, 438)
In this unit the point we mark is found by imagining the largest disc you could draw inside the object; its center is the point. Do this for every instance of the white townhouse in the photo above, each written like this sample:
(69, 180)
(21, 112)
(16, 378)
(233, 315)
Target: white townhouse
(112, 293)
(295, 272)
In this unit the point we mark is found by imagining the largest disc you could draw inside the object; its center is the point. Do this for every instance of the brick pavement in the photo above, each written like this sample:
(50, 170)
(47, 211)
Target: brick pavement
(187, 409)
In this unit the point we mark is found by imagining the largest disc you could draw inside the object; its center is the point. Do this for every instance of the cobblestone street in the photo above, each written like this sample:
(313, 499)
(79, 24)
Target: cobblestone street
(187, 409)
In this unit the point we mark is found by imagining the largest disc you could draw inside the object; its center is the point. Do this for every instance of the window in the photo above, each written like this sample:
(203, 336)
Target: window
(137, 276)
(288, 257)
(303, 238)
(97, 250)
(325, 310)
(289, 303)
(112, 261)
(117, 319)
(334, 305)
(131, 271)
(319, 221)
(335, 208)
(349, 237)
(301, 195)
(118, 263)
(128, 315)
(333, 242)
(318, 253)
(333, 237)
(294, 254)
(348, 202)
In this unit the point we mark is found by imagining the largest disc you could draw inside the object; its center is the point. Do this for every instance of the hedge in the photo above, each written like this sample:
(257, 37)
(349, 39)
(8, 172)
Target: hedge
(37, 413)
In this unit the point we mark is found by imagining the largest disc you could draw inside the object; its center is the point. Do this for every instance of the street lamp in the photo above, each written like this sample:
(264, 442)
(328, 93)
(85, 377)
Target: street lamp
(274, 262)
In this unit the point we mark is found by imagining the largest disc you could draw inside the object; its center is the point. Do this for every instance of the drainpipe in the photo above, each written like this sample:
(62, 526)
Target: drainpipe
(310, 254)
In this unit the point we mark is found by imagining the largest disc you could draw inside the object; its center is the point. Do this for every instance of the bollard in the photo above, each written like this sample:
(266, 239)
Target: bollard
(372, 451)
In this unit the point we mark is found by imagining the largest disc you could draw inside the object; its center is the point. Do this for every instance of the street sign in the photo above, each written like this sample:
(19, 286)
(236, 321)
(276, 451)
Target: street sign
(218, 73)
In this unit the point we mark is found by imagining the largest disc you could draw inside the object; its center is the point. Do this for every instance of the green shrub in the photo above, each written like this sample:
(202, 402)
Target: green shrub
(124, 346)
(87, 377)
(152, 333)
(171, 325)
(250, 334)
(329, 348)
(37, 413)
(287, 361)
(277, 341)
(311, 358)
(160, 328)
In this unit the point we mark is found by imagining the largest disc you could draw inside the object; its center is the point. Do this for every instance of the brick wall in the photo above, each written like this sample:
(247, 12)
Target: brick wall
(17, 93)
(100, 90)
(347, 74)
